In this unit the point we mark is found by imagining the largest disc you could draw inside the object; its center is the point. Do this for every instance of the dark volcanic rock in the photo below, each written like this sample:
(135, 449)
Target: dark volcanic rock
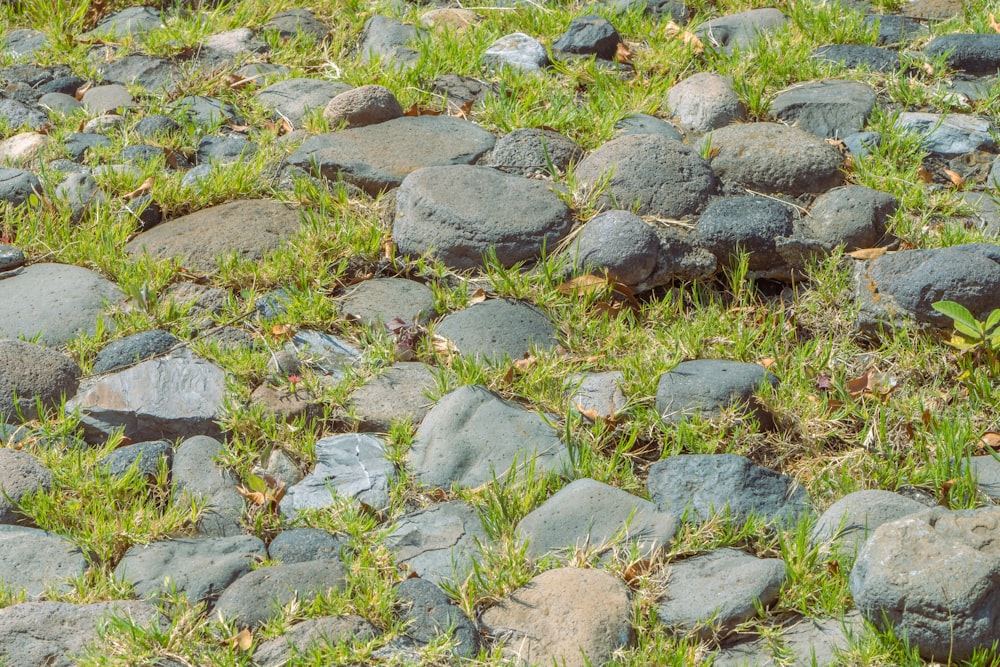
(145, 456)
(531, 151)
(429, 613)
(730, 225)
(830, 108)
(497, 329)
(439, 543)
(132, 349)
(973, 53)
(20, 474)
(17, 185)
(33, 560)
(853, 56)
(708, 386)
(293, 99)
(590, 34)
(31, 375)
(738, 31)
(618, 242)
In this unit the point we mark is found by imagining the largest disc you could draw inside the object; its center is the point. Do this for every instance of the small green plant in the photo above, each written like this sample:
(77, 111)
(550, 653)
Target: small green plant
(970, 333)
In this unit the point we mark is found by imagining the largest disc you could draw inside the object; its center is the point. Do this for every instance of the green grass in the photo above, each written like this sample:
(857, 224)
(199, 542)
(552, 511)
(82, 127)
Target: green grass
(918, 435)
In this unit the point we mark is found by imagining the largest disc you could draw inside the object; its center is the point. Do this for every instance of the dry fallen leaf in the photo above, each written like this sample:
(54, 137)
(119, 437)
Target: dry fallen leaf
(526, 363)
(464, 110)
(637, 570)
(242, 640)
(861, 385)
(945, 491)
(281, 330)
(767, 362)
(477, 297)
(416, 110)
(867, 253)
(990, 441)
(623, 54)
(924, 175)
(146, 186)
(955, 178)
(993, 23)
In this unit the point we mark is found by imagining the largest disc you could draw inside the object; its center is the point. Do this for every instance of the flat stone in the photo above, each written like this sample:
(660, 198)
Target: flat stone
(130, 21)
(972, 53)
(640, 123)
(224, 150)
(32, 560)
(249, 228)
(200, 302)
(400, 393)
(532, 621)
(133, 349)
(60, 103)
(649, 175)
(472, 436)
(204, 111)
(323, 352)
(497, 329)
(618, 243)
(518, 51)
(718, 590)
(20, 474)
(311, 634)
(238, 42)
(389, 40)
(31, 374)
(78, 191)
(200, 569)
(379, 301)
(110, 98)
(598, 394)
(589, 515)
(818, 642)
(260, 596)
(429, 614)
(294, 99)
(11, 257)
(739, 31)
(933, 9)
(297, 545)
(286, 405)
(362, 106)
(932, 576)
(752, 224)
(949, 135)
(530, 151)
(18, 185)
(830, 108)
(705, 101)
(19, 115)
(23, 148)
(846, 525)
(79, 144)
(148, 72)
(197, 475)
(176, 396)
(704, 485)
(439, 543)
(297, 21)
(146, 457)
(458, 214)
(54, 301)
(462, 91)
(893, 29)
(349, 466)
(856, 56)
(24, 43)
(708, 386)
(590, 34)
(377, 158)
(449, 18)
(986, 472)
(853, 216)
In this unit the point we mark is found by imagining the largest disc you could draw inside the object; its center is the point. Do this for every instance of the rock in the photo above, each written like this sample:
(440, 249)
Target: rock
(618, 243)
(649, 174)
(893, 29)
(460, 213)
(389, 40)
(597, 394)
(133, 349)
(972, 53)
(281, 467)
(20, 474)
(986, 472)
(32, 560)
(54, 301)
(294, 99)
(148, 72)
(462, 92)
(428, 614)
(660, 9)
(379, 301)
(705, 484)
(18, 185)
(497, 329)
(809, 641)
(518, 51)
(24, 43)
(773, 158)
(22, 149)
(50, 634)
(260, 596)
(200, 569)
(590, 34)
(249, 227)
(730, 225)
(127, 22)
(31, 375)
(846, 525)
(176, 396)
(949, 135)
(443, 19)
(310, 634)
(709, 386)
(140, 154)
(350, 466)
(932, 577)
(377, 158)
(530, 151)
(862, 144)
(79, 192)
(18, 115)
(60, 103)
(297, 21)
(705, 101)
(439, 543)
(532, 621)
(362, 106)
(11, 258)
(472, 436)
(224, 150)
(232, 43)
(105, 123)
(855, 56)
(718, 590)
(297, 545)
(145, 456)
(640, 123)
(897, 289)
(933, 9)
(853, 216)
(110, 98)
(739, 31)
(589, 515)
(200, 302)
(198, 476)
(830, 108)
(323, 352)
(400, 393)
(205, 111)
(286, 404)
(78, 144)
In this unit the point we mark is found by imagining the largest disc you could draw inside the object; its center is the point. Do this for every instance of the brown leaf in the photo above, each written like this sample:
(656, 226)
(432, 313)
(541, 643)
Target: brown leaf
(636, 570)
(416, 110)
(867, 253)
(591, 414)
(833, 567)
(767, 362)
(955, 178)
(623, 54)
(824, 382)
(584, 284)
(924, 175)
(688, 38)
(80, 92)
(990, 441)
(945, 491)
(993, 24)
(146, 186)
(281, 330)
(477, 297)
(860, 385)
(464, 110)
(256, 497)
(928, 68)
(526, 363)
(242, 640)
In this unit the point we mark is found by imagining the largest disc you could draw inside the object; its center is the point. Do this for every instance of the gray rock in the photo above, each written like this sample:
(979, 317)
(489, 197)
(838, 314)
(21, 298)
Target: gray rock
(705, 101)
(589, 515)
(862, 144)
(133, 349)
(18, 114)
(518, 51)
(773, 158)
(389, 40)
(618, 243)
(24, 43)
(532, 621)
(311, 634)
(460, 91)
(248, 227)
(590, 34)
(291, 23)
(949, 135)
(893, 29)
(298, 545)
(751, 224)
(972, 53)
(260, 596)
(198, 177)
(110, 98)
(78, 144)
(709, 386)
(460, 213)
(146, 457)
(60, 103)
(233, 43)
(672, 9)
(829, 108)
(198, 476)
(718, 590)
(534, 151)
(705, 484)
(104, 123)
(176, 396)
(139, 154)
(377, 158)
(294, 99)
(640, 123)
(813, 642)
(846, 525)
(986, 471)
(324, 352)
(400, 393)
(429, 614)
(855, 56)
(204, 111)
(31, 375)
(153, 74)
(351, 466)
(377, 302)
(897, 289)
(472, 436)
(854, 216)
(200, 302)
(362, 106)
(224, 150)
(17, 185)
(985, 214)
(598, 393)
(497, 329)
(11, 258)
(33, 560)
(439, 543)
(155, 126)
(128, 21)
(55, 302)
(200, 569)
(79, 192)
(932, 577)
(739, 31)
(20, 474)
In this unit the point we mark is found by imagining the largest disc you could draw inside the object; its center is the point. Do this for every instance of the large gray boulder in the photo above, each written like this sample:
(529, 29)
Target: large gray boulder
(259, 596)
(740, 30)
(33, 375)
(949, 135)
(33, 560)
(853, 216)
(730, 225)
(705, 101)
(846, 525)
(439, 543)
(830, 108)
(706, 387)
(498, 329)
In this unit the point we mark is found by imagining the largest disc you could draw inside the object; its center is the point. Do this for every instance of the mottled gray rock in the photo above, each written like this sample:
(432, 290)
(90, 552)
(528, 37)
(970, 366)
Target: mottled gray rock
(739, 31)
(377, 302)
(132, 349)
(460, 213)
(351, 466)
(24, 43)
(323, 352)
(259, 596)
(109, 98)
(855, 56)
(106, 123)
(705, 101)
(665, 9)
(145, 456)
(175, 396)
(389, 40)
(830, 108)
(534, 151)
(619, 243)
(378, 157)
(79, 192)
(224, 150)
(809, 642)
(640, 123)
(718, 590)
(311, 634)
(20, 474)
(297, 545)
(17, 114)
(153, 74)
(128, 21)
(199, 302)
(297, 21)
(649, 174)
(78, 144)
(973, 53)
(932, 577)
(517, 50)
(60, 103)
(773, 158)
(139, 154)
(497, 329)
(472, 436)
(198, 475)
(204, 111)
(429, 614)
(986, 472)
(590, 34)
(55, 302)
(294, 99)
(287, 404)
(439, 543)
(11, 257)
(362, 106)
(589, 515)
(703, 485)
(597, 393)
(32, 560)
(232, 44)
(200, 569)
(897, 289)
(708, 386)
(248, 227)
(730, 225)
(846, 525)
(854, 216)
(397, 394)
(893, 29)
(30, 375)
(17, 185)
(949, 135)
(532, 621)
(462, 91)
(862, 144)
(22, 148)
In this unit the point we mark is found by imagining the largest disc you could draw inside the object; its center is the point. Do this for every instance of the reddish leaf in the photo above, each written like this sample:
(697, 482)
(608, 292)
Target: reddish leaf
(824, 382)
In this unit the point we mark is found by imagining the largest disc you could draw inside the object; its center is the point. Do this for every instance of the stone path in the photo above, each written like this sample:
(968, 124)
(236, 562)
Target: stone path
(462, 194)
